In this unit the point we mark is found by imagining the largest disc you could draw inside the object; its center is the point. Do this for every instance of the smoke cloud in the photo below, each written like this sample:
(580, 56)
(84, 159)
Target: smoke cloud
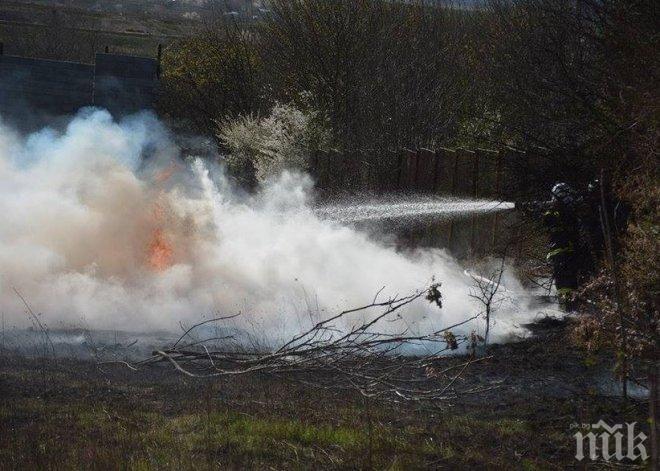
(105, 224)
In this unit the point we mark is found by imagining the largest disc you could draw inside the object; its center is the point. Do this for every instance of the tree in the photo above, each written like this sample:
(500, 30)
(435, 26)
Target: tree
(579, 80)
(212, 75)
(486, 290)
(386, 74)
(572, 82)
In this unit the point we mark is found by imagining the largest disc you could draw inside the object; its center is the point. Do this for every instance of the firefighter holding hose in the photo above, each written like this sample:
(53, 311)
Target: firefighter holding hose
(567, 252)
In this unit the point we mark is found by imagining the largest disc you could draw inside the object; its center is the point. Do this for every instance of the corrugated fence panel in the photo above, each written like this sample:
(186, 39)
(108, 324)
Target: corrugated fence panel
(122, 84)
(49, 86)
(426, 173)
(125, 84)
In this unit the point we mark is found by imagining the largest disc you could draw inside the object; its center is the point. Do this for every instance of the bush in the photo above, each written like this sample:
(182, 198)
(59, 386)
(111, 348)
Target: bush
(262, 147)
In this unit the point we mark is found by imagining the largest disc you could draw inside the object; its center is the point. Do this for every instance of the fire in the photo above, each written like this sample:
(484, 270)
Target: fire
(165, 174)
(160, 251)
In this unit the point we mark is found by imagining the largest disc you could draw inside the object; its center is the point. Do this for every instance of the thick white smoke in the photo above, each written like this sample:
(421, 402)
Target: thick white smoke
(104, 226)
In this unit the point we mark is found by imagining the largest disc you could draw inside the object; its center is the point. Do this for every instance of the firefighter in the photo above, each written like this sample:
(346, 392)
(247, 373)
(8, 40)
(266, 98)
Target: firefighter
(566, 248)
(573, 226)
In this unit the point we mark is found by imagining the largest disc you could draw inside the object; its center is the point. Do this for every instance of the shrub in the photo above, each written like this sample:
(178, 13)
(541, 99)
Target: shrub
(262, 147)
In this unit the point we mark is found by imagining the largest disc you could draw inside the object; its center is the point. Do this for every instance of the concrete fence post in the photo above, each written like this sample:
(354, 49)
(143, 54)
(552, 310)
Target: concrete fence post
(498, 174)
(475, 174)
(436, 170)
(400, 172)
(410, 165)
(427, 170)
(416, 158)
(454, 176)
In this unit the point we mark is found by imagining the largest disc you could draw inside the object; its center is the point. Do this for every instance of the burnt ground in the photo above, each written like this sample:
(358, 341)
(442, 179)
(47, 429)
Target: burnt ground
(72, 414)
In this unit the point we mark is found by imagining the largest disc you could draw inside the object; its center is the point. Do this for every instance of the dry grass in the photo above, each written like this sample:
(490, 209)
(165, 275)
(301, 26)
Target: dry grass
(68, 414)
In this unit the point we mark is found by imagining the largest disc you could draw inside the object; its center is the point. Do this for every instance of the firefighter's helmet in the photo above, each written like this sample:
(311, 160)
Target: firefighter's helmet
(562, 193)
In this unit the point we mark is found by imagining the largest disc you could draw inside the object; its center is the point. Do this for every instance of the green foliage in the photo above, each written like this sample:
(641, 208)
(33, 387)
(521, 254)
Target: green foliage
(213, 74)
(140, 439)
(383, 74)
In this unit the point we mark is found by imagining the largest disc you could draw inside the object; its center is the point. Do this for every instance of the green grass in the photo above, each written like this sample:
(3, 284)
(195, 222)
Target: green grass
(87, 434)
(69, 414)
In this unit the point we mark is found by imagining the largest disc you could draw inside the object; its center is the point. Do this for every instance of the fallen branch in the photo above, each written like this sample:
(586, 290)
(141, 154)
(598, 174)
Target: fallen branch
(332, 356)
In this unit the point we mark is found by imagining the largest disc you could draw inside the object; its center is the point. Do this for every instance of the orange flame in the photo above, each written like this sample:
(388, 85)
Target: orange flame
(160, 251)
(165, 174)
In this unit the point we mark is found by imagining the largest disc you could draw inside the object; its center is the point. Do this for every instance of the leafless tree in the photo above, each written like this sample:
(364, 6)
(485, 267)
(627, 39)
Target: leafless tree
(386, 74)
(486, 290)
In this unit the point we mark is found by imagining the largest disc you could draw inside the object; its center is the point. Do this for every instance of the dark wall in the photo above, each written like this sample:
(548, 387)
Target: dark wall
(125, 84)
(122, 84)
(48, 86)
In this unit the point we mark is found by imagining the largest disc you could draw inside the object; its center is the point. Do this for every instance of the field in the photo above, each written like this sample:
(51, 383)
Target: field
(25, 27)
(75, 414)
(204, 208)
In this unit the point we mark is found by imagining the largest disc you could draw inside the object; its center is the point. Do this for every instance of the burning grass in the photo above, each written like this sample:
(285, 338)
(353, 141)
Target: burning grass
(160, 252)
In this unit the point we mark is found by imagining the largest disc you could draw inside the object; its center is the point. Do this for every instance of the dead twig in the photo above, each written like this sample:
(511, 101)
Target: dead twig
(337, 353)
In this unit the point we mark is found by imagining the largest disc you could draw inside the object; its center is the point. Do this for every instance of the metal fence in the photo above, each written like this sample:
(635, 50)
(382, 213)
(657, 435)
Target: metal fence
(473, 173)
(122, 84)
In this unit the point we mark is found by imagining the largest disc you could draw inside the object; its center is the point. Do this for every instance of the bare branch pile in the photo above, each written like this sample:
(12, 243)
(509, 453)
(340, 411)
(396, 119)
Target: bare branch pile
(398, 366)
